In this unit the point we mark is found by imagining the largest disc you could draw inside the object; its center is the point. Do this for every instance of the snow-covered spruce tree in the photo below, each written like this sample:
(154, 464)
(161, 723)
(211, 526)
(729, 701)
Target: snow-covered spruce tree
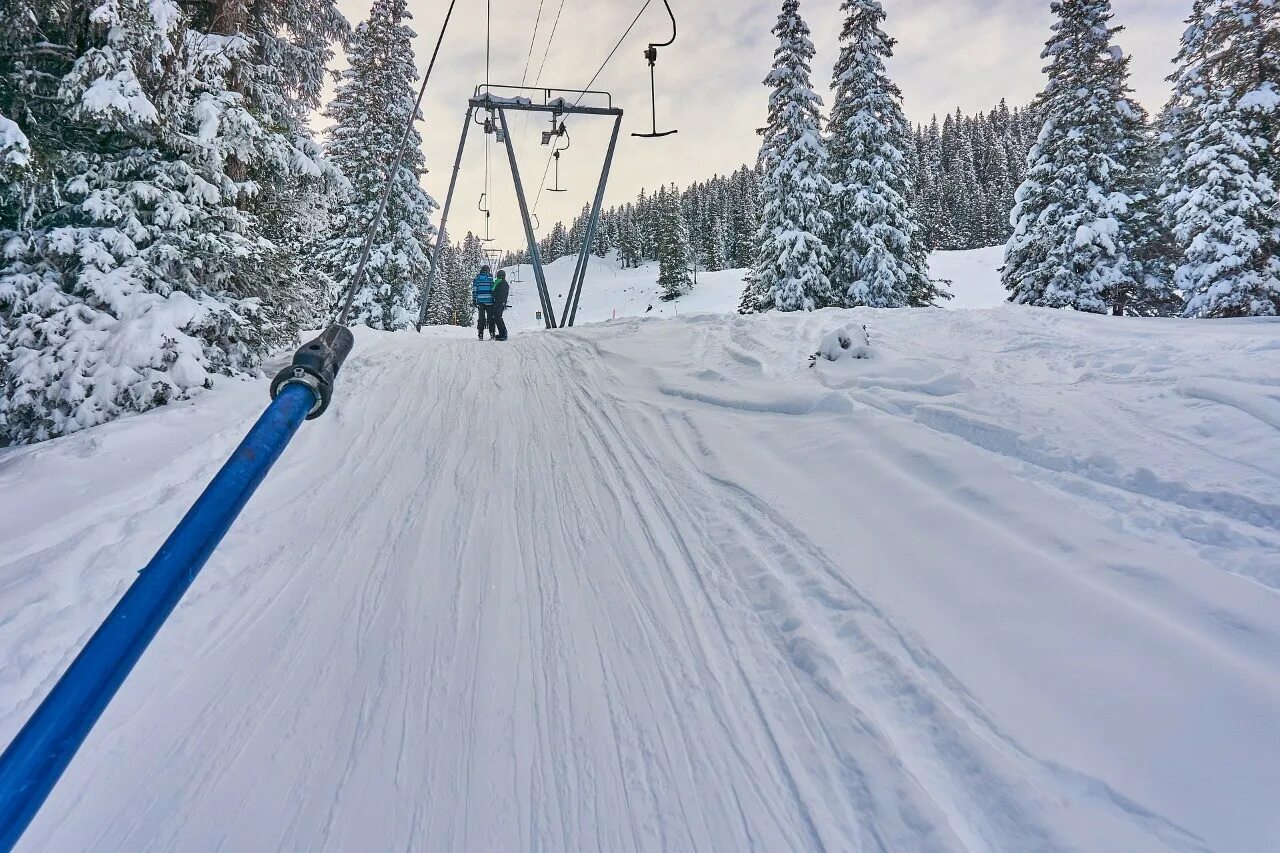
(791, 257)
(602, 244)
(443, 285)
(289, 44)
(1223, 159)
(15, 163)
(470, 259)
(1152, 291)
(15, 160)
(374, 100)
(1074, 243)
(673, 246)
(134, 278)
(718, 246)
(629, 247)
(878, 254)
(746, 218)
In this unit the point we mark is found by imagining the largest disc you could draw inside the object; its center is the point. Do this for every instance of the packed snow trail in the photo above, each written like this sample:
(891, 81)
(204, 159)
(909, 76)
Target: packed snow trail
(660, 585)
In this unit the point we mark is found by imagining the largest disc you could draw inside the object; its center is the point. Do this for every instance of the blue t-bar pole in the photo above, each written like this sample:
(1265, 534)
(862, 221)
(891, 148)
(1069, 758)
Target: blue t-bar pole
(37, 757)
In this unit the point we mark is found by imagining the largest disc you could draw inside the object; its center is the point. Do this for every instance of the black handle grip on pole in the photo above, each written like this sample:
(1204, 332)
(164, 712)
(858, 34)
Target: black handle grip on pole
(316, 365)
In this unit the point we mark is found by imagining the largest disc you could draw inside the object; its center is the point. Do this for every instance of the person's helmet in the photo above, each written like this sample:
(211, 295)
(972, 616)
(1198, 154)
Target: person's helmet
(502, 274)
(484, 268)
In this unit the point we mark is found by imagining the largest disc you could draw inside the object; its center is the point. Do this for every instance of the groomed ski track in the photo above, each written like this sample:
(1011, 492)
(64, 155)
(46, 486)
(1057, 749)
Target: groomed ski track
(635, 589)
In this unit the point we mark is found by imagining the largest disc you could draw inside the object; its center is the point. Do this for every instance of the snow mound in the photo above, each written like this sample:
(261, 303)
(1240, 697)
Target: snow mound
(846, 342)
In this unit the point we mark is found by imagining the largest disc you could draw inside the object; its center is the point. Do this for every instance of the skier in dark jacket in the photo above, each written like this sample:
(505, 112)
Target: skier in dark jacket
(482, 298)
(501, 290)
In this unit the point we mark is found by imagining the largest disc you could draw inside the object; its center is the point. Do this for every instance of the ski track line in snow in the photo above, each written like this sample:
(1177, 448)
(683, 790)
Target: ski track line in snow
(1010, 826)
(523, 597)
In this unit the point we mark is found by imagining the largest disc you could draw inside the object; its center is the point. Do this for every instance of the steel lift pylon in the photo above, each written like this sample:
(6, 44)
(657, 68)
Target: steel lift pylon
(483, 99)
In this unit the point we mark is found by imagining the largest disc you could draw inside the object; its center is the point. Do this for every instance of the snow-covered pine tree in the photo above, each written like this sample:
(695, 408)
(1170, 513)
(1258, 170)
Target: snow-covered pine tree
(929, 187)
(373, 101)
(792, 258)
(630, 247)
(281, 80)
(674, 251)
(878, 257)
(440, 301)
(15, 160)
(746, 217)
(1223, 159)
(470, 259)
(961, 182)
(136, 275)
(557, 244)
(718, 259)
(1150, 290)
(1074, 244)
(602, 243)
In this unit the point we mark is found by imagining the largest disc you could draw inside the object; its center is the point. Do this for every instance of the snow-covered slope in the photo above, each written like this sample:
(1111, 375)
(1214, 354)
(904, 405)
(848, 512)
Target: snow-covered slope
(611, 291)
(1010, 584)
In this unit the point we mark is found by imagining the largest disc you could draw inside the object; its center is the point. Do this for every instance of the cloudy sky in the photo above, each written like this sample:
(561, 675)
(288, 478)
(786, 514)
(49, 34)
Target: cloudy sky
(951, 53)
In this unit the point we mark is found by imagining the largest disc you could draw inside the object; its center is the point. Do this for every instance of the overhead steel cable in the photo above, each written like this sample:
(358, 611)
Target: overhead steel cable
(524, 78)
(345, 314)
(532, 39)
(550, 39)
(583, 91)
(600, 70)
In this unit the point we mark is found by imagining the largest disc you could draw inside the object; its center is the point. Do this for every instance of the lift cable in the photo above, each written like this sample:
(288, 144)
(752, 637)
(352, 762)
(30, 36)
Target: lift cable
(533, 38)
(524, 78)
(583, 91)
(552, 38)
(600, 70)
(345, 314)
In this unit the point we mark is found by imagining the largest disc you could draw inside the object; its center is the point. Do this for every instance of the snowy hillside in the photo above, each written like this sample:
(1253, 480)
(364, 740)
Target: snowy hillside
(1010, 584)
(611, 290)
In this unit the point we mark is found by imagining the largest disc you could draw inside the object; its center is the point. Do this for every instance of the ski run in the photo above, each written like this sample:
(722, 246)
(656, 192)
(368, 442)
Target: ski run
(657, 583)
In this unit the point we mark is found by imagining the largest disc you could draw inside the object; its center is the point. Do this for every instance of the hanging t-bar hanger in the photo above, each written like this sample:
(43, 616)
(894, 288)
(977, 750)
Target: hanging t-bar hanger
(651, 54)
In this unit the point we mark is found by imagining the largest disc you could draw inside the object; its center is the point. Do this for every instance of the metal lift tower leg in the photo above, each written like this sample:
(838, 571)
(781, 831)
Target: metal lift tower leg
(580, 275)
(535, 260)
(444, 220)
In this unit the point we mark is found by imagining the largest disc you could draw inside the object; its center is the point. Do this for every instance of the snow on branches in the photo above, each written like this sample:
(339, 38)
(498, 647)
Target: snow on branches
(792, 259)
(1079, 233)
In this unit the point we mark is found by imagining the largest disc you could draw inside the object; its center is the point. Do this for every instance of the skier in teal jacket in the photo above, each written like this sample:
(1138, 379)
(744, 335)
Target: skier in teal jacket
(482, 298)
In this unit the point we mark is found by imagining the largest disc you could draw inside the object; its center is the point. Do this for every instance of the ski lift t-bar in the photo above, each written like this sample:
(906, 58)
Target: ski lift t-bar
(38, 755)
(651, 54)
(41, 751)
